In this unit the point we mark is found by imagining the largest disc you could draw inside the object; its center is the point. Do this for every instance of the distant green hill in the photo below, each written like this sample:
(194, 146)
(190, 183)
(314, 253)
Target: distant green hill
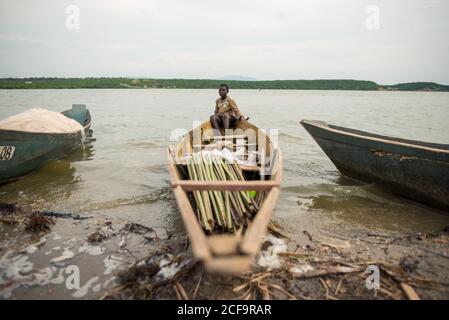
(417, 86)
(80, 83)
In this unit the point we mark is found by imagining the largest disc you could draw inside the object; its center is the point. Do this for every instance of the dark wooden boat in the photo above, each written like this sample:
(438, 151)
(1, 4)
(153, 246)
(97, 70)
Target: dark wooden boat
(22, 152)
(414, 169)
(227, 252)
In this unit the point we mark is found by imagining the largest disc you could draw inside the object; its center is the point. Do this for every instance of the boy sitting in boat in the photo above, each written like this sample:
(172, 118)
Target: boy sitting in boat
(226, 113)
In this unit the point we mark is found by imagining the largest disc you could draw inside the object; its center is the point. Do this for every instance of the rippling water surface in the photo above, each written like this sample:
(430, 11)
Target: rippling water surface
(122, 171)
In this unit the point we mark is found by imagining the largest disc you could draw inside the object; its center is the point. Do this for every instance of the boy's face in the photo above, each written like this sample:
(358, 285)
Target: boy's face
(222, 91)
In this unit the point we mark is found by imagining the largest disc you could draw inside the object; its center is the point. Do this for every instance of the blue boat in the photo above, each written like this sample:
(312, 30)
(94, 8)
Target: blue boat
(23, 152)
(416, 170)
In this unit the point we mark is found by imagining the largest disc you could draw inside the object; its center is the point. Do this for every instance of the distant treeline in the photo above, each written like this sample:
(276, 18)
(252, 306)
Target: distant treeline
(115, 83)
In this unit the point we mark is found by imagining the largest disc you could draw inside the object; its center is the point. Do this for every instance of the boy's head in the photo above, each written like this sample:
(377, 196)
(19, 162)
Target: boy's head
(223, 90)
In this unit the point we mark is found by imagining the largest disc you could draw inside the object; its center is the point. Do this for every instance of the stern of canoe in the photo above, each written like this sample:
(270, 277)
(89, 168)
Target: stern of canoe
(29, 151)
(22, 152)
(81, 114)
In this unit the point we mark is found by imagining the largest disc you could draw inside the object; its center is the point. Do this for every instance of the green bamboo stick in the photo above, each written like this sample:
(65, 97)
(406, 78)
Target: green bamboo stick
(225, 210)
(198, 198)
(201, 203)
(212, 195)
(227, 207)
(204, 194)
(222, 171)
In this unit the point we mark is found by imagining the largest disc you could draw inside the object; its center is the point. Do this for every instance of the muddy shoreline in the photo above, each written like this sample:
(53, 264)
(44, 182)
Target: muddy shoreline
(120, 259)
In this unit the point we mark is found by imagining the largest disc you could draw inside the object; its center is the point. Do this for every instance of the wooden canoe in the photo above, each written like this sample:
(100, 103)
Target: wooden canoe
(227, 252)
(23, 152)
(413, 169)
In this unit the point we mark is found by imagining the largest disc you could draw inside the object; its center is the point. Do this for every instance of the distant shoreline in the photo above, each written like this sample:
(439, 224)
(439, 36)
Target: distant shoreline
(136, 83)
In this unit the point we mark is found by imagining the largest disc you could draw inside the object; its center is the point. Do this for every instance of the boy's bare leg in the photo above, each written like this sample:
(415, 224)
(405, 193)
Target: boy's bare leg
(226, 121)
(216, 122)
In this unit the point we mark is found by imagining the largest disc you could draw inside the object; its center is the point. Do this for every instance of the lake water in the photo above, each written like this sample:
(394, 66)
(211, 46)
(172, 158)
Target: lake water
(121, 174)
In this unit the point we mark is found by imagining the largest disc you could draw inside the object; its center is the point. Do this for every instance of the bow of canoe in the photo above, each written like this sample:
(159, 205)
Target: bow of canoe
(413, 169)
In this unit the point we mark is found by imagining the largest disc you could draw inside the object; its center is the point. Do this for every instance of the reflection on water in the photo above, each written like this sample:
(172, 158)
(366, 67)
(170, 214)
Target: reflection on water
(54, 181)
(85, 152)
(373, 208)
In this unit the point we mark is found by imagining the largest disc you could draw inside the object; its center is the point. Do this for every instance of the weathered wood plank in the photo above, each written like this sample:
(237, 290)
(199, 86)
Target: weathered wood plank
(197, 236)
(189, 185)
(224, 244)
(230, 264)
(229, 137)
(254, 236)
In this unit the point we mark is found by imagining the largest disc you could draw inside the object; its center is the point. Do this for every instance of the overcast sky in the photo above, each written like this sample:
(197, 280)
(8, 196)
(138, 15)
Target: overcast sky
(265, 39)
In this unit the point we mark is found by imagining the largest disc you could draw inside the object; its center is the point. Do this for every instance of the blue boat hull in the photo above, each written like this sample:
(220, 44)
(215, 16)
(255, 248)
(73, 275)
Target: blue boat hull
(29, 151)
(414, 169)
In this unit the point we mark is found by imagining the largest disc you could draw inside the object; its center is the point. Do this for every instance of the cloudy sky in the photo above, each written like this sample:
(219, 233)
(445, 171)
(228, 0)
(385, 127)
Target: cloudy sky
(387, 41)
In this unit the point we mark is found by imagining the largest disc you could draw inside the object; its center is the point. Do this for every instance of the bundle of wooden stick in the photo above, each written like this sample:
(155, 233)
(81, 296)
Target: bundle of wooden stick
(220, 211)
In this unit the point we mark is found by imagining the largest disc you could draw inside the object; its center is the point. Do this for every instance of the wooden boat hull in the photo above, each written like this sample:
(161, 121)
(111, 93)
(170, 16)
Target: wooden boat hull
(225, 253)
(29, 151)
(414, 169)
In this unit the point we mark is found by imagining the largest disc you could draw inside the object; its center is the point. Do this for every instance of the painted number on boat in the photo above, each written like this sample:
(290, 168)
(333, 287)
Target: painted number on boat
(6, 152)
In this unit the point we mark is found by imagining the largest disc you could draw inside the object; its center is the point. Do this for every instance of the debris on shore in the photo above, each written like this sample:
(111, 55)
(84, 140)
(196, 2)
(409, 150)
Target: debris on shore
(322, 271)
(140, 262)
(32, 220)
(38, 222)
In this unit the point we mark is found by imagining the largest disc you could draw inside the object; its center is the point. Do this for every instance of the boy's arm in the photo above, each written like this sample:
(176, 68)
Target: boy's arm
(236, 109)
(216, 107)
